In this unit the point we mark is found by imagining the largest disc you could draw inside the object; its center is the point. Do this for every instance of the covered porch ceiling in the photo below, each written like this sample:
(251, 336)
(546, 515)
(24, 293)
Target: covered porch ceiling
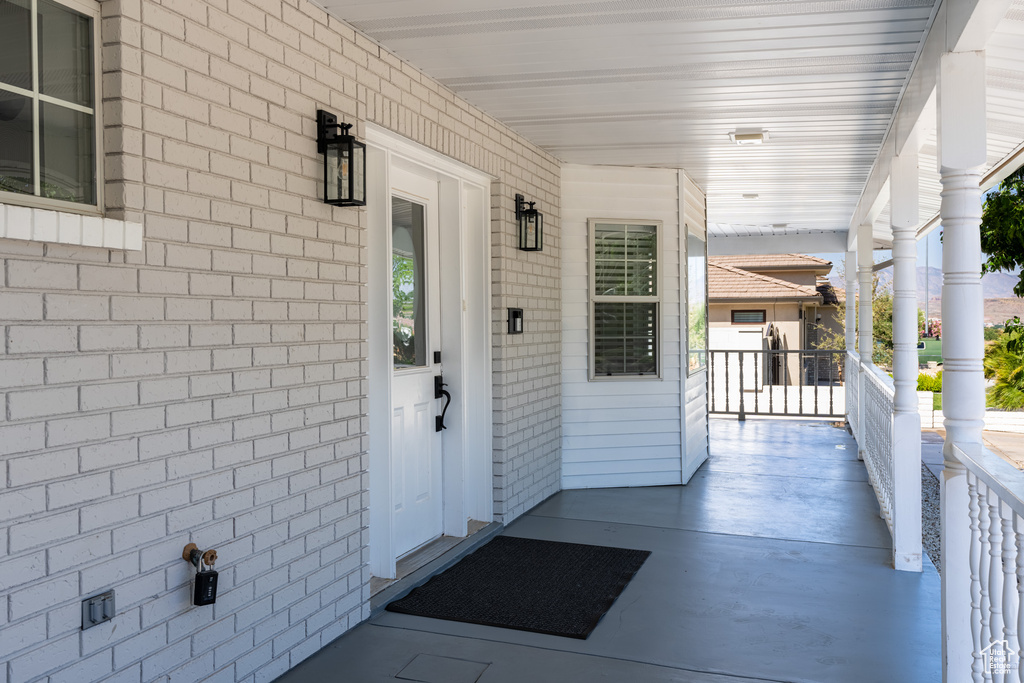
(663, 83)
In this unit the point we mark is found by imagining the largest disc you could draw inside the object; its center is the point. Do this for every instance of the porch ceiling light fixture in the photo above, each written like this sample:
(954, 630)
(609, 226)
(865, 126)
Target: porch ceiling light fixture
(531, 225)
(749, 137)
(344, 161)
(750, 195)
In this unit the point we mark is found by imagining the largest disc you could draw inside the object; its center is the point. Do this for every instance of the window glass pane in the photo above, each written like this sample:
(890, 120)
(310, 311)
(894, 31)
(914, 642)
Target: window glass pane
(625, 338)
(748, 316)
(625, 260)
(641, 260)
(696, 302)
(408, 294)
(65, 54)
(16, 43)
(67, 151)
(15, 143)
(609, 259)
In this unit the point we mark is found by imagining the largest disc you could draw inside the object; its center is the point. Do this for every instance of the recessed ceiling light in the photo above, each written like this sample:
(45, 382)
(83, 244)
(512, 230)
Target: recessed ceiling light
(780, 225)
(756, 137)
(750, 196)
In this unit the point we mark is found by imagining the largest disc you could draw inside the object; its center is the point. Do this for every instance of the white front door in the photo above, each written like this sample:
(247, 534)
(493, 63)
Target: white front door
(416, 446)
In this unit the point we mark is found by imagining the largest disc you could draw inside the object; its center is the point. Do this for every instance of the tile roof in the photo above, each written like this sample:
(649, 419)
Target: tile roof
(728, 282)
(760, 262)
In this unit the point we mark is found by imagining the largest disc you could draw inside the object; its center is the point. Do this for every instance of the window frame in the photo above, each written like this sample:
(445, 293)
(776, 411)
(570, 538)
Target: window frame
(762, 311)
(91, 9)
(594, 298)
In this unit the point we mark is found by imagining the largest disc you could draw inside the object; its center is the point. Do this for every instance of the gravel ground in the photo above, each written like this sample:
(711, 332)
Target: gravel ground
(930, 517)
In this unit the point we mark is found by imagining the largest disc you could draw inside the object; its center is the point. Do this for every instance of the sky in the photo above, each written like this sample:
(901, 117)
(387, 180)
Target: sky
(929, 246)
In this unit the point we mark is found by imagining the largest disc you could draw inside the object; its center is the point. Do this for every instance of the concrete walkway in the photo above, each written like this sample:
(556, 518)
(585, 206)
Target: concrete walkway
(1007, 445)
(771, 565)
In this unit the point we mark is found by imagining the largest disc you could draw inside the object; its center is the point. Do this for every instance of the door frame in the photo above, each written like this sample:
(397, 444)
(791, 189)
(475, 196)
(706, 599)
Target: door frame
(465, 264)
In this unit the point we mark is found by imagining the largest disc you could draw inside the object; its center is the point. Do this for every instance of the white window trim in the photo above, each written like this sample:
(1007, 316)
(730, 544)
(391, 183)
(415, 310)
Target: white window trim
(61, 227)
(656, 300)
(40, 219)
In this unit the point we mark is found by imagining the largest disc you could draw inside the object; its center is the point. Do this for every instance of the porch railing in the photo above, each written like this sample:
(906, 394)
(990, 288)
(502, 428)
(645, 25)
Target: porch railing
(991, 590)
(807, 382)
(853, 391)
(877, 434)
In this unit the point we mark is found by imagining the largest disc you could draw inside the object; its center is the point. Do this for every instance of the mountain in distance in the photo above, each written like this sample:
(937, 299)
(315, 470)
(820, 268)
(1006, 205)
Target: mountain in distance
(1000, 301)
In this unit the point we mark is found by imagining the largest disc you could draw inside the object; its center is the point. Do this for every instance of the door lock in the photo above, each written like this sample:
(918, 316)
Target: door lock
(439, 391)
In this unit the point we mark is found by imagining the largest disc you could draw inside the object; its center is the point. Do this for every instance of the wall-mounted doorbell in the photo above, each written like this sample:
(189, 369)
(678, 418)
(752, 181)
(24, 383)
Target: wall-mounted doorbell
(515, 321)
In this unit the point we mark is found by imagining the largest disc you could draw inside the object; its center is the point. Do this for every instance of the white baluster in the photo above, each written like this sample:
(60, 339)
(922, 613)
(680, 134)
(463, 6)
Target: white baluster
(995, 580)
(984, 567)
(1009, 586)
(975, 559)
(1018, 526)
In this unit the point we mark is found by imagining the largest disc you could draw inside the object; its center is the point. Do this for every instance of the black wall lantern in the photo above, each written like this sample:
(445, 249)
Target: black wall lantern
(344, 161)
(531, 225)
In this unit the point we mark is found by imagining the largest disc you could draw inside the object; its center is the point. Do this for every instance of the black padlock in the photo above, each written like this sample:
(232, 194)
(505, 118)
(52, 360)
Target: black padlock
(206, 588)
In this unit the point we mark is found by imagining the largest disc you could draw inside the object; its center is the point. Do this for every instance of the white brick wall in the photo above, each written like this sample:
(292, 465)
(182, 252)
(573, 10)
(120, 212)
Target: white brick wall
(211, 386)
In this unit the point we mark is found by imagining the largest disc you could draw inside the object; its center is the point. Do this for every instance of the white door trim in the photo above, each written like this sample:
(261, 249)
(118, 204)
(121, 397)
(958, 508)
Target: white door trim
(464, 207)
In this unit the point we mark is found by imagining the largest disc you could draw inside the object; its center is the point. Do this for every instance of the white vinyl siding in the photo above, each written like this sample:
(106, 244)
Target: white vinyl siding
(627, 432)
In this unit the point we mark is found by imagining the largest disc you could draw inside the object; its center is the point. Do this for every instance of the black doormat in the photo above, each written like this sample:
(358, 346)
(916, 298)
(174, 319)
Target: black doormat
(561, 589)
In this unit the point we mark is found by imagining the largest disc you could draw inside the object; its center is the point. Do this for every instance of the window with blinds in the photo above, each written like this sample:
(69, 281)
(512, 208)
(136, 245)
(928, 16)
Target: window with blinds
(625, 299)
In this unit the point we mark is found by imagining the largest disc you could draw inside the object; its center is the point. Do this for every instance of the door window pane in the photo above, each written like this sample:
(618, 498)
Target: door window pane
(65, 54)
(66, 148)
(16, 43)
(15, 143)
(408, 293)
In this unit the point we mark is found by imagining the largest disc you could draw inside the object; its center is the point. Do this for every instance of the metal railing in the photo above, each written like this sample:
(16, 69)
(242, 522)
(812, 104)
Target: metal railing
(878, 424)
(807, 382)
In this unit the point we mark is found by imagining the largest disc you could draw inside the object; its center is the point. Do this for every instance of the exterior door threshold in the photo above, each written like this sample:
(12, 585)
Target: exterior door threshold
(418, 567)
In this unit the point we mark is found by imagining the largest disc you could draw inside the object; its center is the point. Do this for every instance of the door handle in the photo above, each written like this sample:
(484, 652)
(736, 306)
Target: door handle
(439, 391)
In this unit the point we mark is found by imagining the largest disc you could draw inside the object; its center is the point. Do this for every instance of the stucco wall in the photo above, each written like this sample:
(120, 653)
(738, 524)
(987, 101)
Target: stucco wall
(212, 387)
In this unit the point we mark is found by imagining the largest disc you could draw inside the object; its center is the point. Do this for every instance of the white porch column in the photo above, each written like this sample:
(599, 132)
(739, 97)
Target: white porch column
(906, 437)
(962, 145)
(865, 263)
(865, 331)
(851, 300)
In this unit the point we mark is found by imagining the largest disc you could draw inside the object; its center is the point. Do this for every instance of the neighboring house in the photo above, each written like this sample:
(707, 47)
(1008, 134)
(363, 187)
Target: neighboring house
(779, 301)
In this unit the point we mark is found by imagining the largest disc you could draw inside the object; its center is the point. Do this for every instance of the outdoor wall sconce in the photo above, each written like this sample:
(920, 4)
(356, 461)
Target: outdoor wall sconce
(531, 225)
(344, 161)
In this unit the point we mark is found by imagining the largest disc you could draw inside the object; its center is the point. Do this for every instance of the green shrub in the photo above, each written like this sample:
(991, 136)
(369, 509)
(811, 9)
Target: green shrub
(929, 382)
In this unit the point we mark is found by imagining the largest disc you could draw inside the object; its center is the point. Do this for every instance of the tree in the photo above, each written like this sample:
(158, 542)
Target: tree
(1002, 240)
(881, 324)
(1002, 228)
(1007, 369)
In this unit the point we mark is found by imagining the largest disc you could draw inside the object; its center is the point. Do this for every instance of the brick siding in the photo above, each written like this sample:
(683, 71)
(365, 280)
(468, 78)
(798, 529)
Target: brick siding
(212, 386)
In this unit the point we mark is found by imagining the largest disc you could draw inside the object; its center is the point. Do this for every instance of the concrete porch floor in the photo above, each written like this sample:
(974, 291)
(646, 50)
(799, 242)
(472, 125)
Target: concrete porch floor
(771, 565)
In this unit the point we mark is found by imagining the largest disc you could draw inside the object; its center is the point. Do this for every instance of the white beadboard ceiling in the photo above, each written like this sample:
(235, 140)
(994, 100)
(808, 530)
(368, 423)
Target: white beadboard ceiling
(662, 83)
(1004, 125)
